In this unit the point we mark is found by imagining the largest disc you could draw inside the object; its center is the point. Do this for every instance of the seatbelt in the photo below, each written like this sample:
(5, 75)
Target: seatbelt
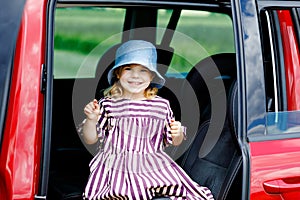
(168, 35)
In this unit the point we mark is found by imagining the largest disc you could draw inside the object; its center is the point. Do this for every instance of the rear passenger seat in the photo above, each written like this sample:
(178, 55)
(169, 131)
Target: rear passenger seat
(218, 167)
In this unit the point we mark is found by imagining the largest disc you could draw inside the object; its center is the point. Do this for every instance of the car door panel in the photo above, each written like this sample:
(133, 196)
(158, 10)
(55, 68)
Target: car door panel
(276, 163)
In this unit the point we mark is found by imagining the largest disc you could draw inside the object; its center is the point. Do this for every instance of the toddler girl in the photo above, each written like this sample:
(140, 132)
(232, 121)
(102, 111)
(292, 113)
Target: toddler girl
(134, 125)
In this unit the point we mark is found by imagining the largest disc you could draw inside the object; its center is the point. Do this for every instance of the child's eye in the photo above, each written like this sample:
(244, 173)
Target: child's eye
(144, 70)
(127, 68)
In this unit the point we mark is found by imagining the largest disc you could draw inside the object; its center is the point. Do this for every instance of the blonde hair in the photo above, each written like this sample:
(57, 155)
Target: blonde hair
(116, 91)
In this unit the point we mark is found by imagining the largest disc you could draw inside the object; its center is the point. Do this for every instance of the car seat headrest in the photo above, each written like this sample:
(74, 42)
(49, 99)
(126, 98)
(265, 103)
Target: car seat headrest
(216, 72)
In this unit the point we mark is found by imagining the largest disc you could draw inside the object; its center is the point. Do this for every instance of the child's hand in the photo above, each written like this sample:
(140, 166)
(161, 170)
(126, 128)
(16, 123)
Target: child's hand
(92, 110)
(176, 132)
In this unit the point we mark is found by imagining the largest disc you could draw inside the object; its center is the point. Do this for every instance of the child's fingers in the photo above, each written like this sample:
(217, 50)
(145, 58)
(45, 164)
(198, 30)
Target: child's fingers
(92, 107)
(175, 125)
(96, 105)
(173, 122)
(88, 110)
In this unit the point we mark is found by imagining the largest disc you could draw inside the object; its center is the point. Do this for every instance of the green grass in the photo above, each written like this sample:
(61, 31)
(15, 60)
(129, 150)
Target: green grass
(83, 29)
(82, 36)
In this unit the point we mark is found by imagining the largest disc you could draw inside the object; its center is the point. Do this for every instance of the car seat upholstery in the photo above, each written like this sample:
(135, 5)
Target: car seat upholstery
(211, 72)
(218, 168)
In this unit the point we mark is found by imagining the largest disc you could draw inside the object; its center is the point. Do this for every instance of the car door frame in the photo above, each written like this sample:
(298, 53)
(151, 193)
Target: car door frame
(251, 84)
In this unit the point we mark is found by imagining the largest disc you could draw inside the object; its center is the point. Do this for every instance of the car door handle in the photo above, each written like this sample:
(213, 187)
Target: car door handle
(282, 185)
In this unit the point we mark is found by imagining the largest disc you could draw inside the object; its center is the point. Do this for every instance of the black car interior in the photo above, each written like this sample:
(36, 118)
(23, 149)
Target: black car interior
(220, 166)
(219, 169)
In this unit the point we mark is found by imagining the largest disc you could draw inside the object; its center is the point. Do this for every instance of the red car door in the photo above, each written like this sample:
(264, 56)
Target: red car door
(275, 153)
(21, 144)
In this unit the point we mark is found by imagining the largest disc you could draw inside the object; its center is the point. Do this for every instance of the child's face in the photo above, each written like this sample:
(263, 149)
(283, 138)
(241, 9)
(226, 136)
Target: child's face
(134, 79)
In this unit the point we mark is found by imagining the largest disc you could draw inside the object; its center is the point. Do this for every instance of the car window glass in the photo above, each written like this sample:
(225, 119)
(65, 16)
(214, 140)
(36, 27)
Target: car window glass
(283, 122)
(82, 36)
(281, 54)
(196, 37)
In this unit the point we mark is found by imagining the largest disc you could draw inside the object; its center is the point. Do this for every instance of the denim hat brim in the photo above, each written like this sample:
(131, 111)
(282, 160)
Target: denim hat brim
(137, 52)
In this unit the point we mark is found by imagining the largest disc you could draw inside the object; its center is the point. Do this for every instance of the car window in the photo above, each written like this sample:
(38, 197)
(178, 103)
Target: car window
(82, 35)
(281, 61)
(197, 36)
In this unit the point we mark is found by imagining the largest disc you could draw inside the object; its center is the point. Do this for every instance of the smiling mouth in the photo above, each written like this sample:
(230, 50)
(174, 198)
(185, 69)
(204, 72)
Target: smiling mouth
(135, 83)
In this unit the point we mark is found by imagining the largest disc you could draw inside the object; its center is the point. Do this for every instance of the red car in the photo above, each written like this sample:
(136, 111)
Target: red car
(233, 78)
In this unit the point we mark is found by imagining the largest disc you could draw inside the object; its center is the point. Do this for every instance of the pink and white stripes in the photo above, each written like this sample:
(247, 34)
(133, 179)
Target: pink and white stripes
(132, 163)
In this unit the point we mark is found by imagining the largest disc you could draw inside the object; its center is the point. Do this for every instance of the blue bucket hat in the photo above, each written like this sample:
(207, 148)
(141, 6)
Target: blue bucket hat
(137, 52)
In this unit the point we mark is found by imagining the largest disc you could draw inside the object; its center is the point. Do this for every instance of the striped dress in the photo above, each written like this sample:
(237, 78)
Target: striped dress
(131, 162)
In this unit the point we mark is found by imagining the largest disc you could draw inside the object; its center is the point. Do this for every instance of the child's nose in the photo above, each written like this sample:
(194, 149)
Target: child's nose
(135, 73)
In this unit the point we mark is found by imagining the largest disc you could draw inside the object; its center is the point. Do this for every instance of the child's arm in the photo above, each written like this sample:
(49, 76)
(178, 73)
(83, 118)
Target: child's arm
(176, 132)
(92, 112)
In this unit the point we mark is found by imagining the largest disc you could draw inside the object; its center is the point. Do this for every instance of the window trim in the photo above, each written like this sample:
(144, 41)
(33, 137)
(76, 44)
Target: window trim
(272, 60)
(279, 59)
